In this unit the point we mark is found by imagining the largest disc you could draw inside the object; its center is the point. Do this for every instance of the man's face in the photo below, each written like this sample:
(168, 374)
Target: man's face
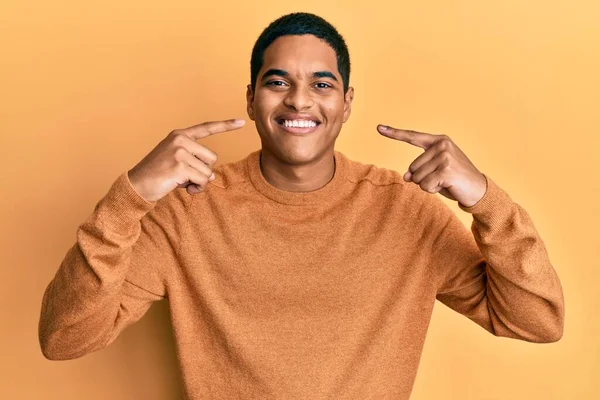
(298, 103)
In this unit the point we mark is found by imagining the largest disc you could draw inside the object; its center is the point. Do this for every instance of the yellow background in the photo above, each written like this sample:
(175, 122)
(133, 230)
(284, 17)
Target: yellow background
(89, 88)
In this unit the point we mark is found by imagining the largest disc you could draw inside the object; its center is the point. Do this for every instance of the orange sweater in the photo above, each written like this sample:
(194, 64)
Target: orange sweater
(300, 295)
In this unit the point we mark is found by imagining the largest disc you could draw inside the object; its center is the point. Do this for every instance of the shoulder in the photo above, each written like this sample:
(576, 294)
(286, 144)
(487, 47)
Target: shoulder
(407, 197)
(358, 172)
(380, 180)
(230, 173)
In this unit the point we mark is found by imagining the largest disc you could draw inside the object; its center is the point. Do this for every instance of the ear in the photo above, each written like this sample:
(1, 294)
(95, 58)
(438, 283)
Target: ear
(250, 102)
(349, 96)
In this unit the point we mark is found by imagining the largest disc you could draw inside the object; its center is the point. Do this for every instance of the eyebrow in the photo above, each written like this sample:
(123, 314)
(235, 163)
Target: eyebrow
(285, 74)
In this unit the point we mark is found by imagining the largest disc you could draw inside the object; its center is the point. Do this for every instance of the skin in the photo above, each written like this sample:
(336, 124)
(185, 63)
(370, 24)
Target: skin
(292, 162)
(305, 163)
(178, 161)
(443, 167)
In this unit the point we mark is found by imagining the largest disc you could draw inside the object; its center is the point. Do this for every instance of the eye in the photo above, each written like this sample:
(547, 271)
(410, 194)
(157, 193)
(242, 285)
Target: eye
(323, 85)
(275, 83)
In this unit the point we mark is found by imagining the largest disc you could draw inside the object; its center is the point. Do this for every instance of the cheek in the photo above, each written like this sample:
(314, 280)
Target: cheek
(265, 103)
(335, 110)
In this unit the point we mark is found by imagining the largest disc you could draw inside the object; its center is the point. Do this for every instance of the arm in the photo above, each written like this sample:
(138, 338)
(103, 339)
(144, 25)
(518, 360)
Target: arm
(500, 276)
(109, 278)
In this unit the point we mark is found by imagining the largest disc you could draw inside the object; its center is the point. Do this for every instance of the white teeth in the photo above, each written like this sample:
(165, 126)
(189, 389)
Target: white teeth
(300, 123)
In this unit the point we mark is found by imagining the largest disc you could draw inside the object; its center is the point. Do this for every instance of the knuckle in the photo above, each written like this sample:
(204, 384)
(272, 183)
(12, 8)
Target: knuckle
(445, 143)
(208, 126)
(179, 139)
(179, 154)
(180, 168)
(175, 132)
(210, 157)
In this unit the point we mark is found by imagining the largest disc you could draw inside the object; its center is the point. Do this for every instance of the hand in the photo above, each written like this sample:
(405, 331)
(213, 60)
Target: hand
(442, 168)
(178, 161)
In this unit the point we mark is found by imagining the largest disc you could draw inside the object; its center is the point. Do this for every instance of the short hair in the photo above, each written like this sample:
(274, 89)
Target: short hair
(301, 24)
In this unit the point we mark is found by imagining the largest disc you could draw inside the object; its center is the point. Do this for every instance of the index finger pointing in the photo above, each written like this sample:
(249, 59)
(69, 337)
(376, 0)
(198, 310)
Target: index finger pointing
(420, 139)
(211, 127)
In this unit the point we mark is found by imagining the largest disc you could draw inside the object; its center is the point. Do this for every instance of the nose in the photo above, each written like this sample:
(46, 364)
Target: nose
(298, 98)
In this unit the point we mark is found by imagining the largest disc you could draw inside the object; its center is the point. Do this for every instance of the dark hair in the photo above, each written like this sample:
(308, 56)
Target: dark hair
(301, 24)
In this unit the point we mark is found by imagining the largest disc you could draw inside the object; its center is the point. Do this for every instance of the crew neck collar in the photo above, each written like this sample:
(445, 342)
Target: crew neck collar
(323, 194)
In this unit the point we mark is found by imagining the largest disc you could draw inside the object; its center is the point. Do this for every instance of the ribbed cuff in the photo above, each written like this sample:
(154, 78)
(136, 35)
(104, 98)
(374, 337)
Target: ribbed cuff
(494, 203)
(122, 207)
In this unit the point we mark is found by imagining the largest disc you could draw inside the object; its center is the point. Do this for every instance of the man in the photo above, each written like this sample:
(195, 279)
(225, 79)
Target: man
(298, 273)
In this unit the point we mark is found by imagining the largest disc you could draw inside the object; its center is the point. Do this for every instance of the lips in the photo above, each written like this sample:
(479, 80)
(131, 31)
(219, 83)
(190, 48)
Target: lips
(291, 126)
(298, 123)
(297, 117)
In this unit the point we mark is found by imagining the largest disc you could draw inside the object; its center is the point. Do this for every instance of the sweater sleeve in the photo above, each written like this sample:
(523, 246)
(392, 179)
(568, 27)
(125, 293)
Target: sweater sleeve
(117, 267)
(499, 276)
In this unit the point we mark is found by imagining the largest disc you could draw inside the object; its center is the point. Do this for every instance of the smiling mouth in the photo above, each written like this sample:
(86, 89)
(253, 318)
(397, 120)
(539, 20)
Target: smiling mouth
(298, 126)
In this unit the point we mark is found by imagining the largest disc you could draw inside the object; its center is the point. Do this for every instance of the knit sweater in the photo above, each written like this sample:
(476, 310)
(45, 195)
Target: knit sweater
(276, 294)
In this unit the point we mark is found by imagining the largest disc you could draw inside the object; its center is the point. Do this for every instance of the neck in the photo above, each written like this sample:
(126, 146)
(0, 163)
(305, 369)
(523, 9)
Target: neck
(297, 177)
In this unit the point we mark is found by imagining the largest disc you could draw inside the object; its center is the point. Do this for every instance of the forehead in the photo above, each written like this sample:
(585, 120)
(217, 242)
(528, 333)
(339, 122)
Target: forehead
(300, 55)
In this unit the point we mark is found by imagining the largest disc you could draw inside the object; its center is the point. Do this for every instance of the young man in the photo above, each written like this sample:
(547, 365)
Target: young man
(298, 273)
